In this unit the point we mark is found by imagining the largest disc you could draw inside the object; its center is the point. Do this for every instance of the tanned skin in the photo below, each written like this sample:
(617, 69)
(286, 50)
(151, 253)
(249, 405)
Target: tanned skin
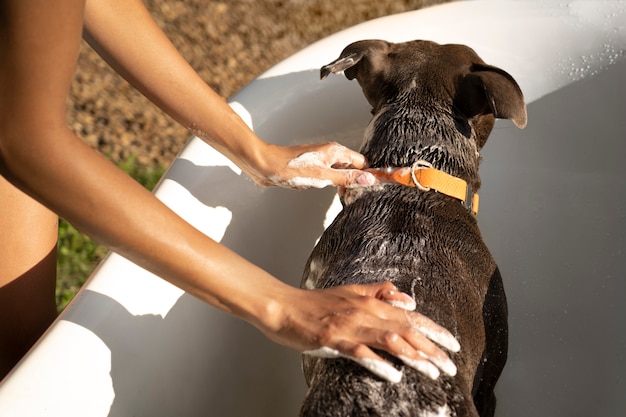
(46, 169)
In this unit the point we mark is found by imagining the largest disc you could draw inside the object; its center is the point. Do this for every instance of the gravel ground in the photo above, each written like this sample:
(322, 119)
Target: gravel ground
(229, 43)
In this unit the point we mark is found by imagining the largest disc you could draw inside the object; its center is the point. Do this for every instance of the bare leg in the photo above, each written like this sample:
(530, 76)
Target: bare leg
(27, 273)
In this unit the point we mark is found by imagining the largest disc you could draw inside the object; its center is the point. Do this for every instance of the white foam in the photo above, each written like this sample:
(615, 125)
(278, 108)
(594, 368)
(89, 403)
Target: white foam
(442, 338)
(442, 411)
(446, 366)
(409, 305)
(302, 182)
(377, 367)
(307, 159)
(424, 367)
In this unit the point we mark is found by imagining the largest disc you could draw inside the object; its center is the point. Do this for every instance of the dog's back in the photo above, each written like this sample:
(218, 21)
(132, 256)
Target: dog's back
(429, 103)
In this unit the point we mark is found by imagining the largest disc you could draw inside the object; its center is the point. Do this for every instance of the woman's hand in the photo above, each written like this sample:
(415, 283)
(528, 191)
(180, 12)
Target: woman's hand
(349, 321)
(311, 166)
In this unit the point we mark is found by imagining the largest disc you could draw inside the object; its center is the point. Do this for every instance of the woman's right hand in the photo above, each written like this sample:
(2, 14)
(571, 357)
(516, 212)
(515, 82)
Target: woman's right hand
(309, 166)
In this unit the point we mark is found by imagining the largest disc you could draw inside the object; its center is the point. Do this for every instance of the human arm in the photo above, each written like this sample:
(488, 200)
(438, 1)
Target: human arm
(40, 155)
(126, 36)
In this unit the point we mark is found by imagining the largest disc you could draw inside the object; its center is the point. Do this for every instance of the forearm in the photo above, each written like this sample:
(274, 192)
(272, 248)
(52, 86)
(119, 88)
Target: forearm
(40, 155)
(125, 35)
(105, 203)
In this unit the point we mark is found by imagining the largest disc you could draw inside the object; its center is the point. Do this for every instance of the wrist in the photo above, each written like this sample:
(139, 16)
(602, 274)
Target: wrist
(233, 138)
(261, 161)
(267, 309)
(258, 160)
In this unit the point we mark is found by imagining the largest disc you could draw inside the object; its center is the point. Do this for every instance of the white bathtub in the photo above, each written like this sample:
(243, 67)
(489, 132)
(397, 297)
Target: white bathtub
(553, 211)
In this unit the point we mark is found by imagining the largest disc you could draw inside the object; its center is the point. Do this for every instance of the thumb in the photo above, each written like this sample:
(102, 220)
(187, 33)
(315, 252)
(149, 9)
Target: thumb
(338, 156)
(353, 178)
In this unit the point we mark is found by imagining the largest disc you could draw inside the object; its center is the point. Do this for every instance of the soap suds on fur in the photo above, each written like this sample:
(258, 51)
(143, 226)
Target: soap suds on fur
(424, 367)
(442, 411)
(377, 367)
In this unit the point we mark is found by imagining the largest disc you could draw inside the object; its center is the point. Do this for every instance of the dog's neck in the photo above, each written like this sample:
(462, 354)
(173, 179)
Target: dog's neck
(398, 137)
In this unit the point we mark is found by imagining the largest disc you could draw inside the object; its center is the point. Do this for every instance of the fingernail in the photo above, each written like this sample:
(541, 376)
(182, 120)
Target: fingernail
(366, 178)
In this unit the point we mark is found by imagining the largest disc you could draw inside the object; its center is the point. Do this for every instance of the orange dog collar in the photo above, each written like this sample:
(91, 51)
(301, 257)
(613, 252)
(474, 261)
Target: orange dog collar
(423, 176)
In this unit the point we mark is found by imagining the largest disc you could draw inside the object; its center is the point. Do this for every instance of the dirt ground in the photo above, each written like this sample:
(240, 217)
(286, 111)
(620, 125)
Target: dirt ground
(228, 42)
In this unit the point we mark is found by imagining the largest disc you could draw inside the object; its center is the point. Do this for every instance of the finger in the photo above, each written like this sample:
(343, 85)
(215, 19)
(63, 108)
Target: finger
(369, 360)
(301, 183)
(331, 155)
(386, 291)
(351, 178)
(338, 156)
(427, 351)
(439, 358)
(433, 331)
(416, 351)
(390, 294)
(424, 356)
(318, 166)
(345, 167)
(423, 332)
(404, 342)
(380, 290)
(421, 365)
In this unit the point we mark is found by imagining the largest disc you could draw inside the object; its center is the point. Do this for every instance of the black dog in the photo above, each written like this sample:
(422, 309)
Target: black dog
(433, 105)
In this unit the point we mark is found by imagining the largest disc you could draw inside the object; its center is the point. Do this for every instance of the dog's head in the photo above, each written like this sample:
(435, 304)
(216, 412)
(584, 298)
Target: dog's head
(450, 77)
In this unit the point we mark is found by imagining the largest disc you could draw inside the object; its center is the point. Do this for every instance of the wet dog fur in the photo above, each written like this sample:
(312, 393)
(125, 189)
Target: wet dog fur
(436, 103)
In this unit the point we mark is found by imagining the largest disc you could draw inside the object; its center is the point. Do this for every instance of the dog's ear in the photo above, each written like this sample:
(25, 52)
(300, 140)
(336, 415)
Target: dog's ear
(360, 52)
(342, 63)
(490, 90)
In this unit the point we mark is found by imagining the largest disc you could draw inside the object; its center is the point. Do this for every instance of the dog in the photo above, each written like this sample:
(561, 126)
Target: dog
(433, 108)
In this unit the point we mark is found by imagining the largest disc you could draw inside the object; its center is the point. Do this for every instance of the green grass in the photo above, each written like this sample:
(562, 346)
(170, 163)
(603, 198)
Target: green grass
(78, 254)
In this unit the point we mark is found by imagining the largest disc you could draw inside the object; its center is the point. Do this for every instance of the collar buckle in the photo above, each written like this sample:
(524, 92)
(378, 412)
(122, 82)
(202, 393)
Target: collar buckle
(471, 200)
